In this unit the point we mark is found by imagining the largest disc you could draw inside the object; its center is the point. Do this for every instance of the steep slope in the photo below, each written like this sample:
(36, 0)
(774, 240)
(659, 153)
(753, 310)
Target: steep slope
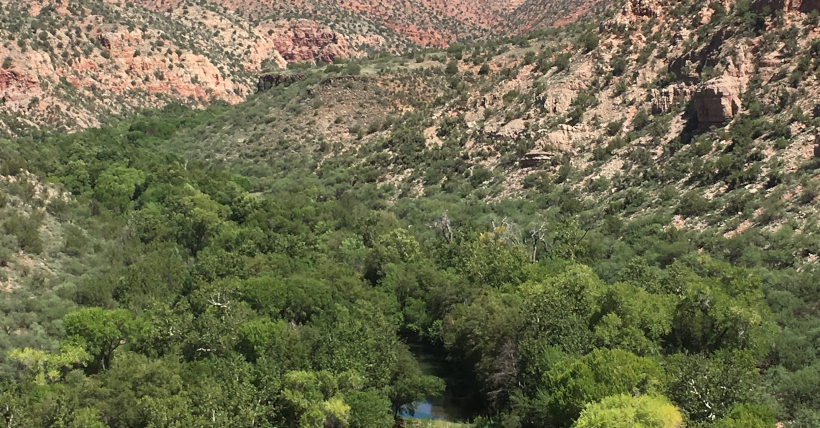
(710, 120)
(433, 23)
(73, 65)
(532, 15)
(426, 22)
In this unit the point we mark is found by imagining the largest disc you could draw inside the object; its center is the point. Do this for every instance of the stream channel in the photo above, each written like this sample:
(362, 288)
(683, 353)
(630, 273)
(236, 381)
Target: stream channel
(453, 405)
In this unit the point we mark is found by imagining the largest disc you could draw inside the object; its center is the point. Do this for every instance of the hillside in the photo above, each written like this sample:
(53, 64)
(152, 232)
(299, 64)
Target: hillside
(721, 103)
(71, 65)
(611, 223)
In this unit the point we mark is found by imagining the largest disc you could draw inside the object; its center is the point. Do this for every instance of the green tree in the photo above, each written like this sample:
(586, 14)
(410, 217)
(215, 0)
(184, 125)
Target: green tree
(628, 411)
(747, 416)
(573, 383)
(452, 68)
(316, 399)
(48, 367)
(115, 187)
(722, 309)
(633, 319)
(589, 41)
(707, 387)
(369, 409)
(559, 310)
(100, 331)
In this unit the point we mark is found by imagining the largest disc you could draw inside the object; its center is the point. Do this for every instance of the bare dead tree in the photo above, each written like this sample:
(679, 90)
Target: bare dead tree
(442, 224)
(538, 235)
(511, 231)
(505, 371)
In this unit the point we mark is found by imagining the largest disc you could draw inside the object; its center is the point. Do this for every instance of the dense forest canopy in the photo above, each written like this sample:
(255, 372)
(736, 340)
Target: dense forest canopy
(194, 298)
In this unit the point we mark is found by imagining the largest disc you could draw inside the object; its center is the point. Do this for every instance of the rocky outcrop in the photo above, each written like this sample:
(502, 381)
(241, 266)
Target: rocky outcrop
(534, 158)
(557, 100)
(304, 40)
(664, 99)
(18, 90)
(268, 81)
(717, 100)
(633, 11)
(642, 8)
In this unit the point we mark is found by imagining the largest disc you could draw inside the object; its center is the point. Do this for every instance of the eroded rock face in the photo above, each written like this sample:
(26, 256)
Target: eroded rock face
(717, 100)
(558, 100)
(664, 99)
(17, 89)
(534, 158)
(303, 40)
(209, 55)
(642, 8)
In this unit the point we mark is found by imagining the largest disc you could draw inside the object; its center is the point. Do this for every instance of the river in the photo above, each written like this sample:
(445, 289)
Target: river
(453, 404)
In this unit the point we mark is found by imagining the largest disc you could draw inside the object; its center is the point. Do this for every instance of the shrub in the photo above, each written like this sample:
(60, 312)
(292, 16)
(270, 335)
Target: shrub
(618, 64)
(510, 96)
(614, 128)
(641, 120)
(27, 231)
(353, 70)
(599, 184)
(668, 193)
(702, 148)
(561, 62)
(621, 87)
(452, 68)
(692, 204)
(75, 240)
(589, 41)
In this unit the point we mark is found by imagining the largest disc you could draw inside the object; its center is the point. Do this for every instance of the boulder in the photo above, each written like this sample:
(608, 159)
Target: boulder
(557, 100)
(717, 100)
(534, 158)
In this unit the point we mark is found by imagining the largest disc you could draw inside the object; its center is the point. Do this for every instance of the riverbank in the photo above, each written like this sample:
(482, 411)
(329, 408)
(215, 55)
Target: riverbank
(455, 405)
(431, 423)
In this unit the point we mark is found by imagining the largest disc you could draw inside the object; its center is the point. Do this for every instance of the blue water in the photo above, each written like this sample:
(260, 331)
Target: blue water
(448, 407)
(428, 410)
